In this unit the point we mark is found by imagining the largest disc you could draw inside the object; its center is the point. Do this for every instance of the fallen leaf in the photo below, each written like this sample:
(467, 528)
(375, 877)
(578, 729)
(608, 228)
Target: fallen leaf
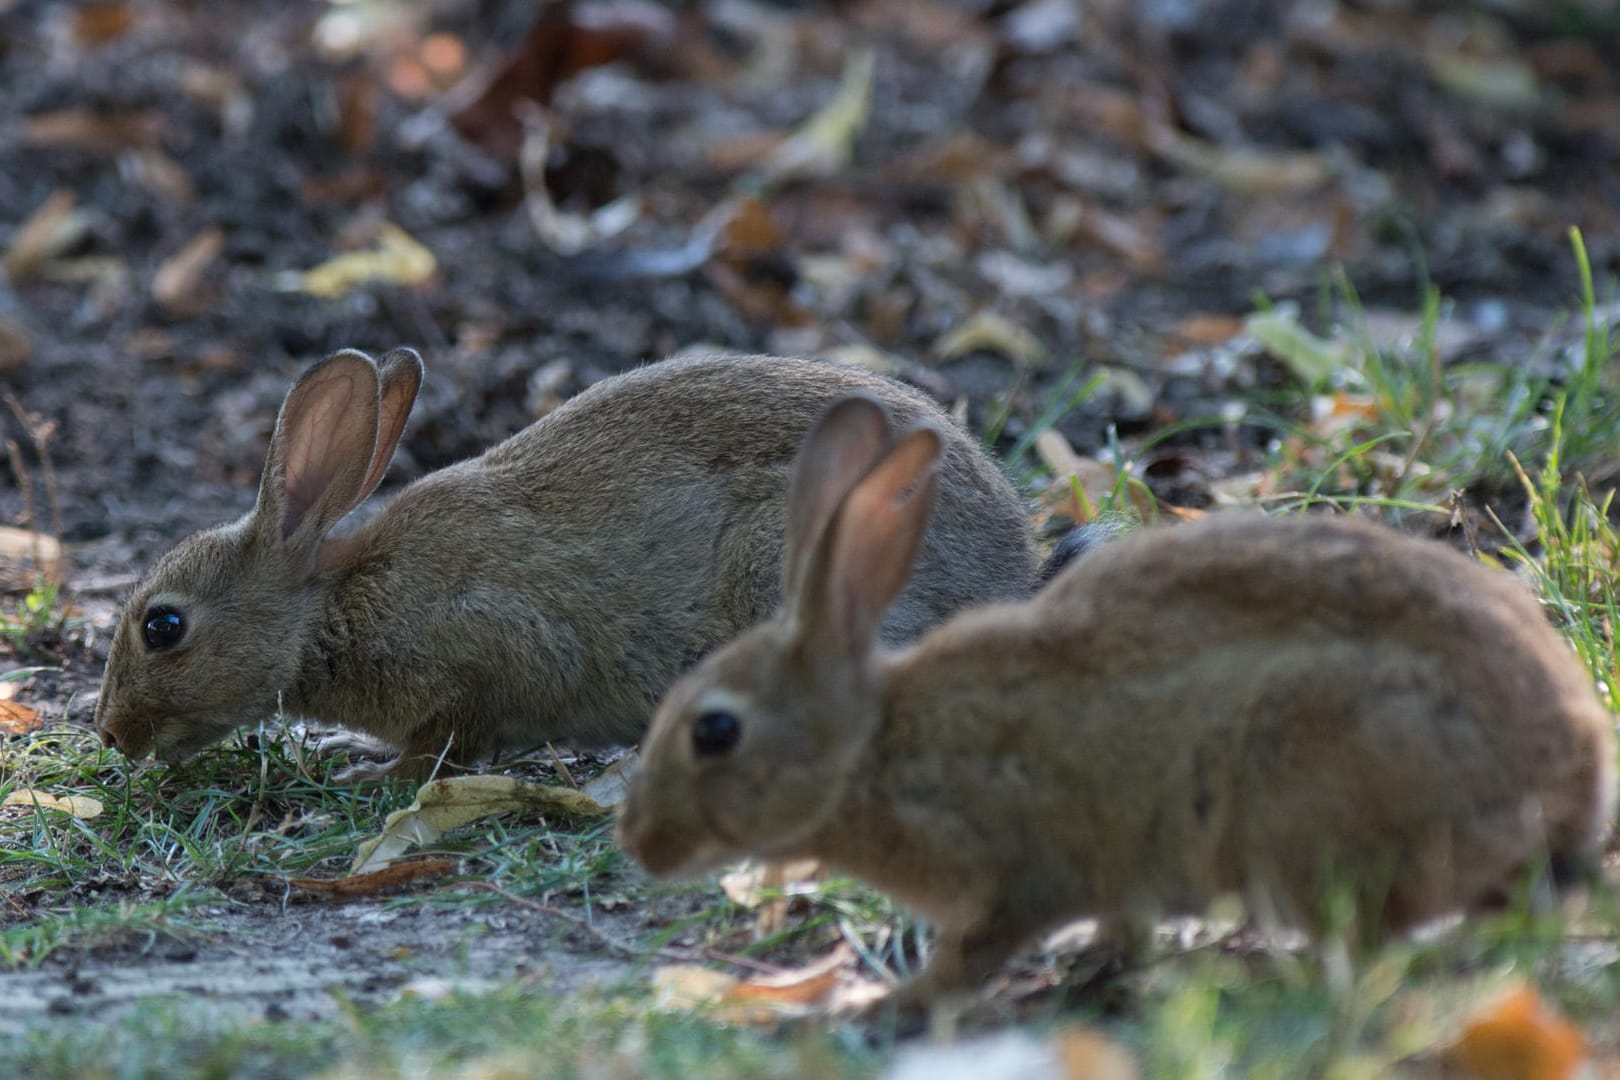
(106, 133)
(97, 24)
(1097, 481)
(50, 230)
(1312, 359)
(16, 344)
(397, 259)
(1243, 169)
(1085, 1054)
(376, 881)
(1520, 1037)
(1207, 328)
(442, 805)
(828, 985)
(177, 281)
(82, 807)
(822, 145)
(18, 719)
(612, 784)
(25, 554)
(565, 40)
(993, 333)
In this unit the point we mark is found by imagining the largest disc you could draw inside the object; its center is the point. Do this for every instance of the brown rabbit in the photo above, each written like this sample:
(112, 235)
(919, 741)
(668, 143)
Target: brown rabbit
(1247, 705)
(548, 590)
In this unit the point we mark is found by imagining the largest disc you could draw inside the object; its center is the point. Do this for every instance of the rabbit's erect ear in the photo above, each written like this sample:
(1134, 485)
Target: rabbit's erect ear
(838, 451)
(321, 449)
(869, 546)
(401, 377)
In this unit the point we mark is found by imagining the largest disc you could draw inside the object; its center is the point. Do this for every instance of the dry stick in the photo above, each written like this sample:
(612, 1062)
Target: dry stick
(685, 956)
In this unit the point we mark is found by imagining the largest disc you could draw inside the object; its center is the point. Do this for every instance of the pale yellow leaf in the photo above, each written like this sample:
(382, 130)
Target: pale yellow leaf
(442, 805)
(82, 807)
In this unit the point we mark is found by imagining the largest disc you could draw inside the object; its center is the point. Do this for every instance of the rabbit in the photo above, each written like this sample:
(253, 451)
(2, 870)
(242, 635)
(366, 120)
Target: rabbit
(1253, 706)
(550, 589)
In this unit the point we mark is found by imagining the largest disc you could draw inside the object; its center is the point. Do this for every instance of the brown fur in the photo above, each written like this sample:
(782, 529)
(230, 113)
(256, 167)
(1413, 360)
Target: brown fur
(548, 590)
(1266, 707)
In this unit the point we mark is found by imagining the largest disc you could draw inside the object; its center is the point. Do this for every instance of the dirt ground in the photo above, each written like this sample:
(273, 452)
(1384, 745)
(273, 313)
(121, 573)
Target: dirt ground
(1116, 182)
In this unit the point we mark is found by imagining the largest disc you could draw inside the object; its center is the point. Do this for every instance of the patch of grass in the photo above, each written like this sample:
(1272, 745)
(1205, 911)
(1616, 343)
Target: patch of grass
(516, 1032)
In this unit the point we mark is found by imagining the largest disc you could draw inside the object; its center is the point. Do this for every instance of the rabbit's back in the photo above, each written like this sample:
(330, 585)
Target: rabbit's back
(705, 445)
(1253, 703)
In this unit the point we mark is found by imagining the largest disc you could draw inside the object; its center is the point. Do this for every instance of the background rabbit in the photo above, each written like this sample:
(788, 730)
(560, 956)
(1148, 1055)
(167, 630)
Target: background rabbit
(1265, 707)
(550, 589)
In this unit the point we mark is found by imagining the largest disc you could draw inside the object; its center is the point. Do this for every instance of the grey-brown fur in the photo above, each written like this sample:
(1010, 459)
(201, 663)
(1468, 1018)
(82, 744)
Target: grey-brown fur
(1271, 708)
(548, 590)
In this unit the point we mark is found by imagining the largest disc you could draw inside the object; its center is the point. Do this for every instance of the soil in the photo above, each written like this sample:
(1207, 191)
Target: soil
(992, 126)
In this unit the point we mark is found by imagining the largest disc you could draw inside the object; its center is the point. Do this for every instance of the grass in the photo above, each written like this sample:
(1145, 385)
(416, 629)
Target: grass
(1402, 432)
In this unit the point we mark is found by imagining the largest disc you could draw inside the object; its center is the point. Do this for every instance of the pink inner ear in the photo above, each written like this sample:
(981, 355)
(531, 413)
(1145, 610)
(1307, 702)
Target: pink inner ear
(323, 440)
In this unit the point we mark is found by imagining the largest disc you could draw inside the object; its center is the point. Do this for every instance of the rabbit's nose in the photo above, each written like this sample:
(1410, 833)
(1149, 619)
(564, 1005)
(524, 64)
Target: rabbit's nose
(109, 739)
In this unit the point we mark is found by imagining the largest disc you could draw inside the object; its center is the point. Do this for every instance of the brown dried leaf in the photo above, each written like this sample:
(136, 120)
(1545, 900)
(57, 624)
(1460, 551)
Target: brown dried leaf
(369, 884)
(17, 719)
(828, 985)
(1085, 1054)
(107, 133)
(176, 285)
(16, 344)
(46, 233)
(1206, 328)
(563, 42)
(98, 23)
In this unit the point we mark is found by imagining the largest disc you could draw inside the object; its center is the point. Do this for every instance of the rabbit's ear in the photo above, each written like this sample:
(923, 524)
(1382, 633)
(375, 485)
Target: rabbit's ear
(401, 375)
(321, 449)
(838, 451)
(868, 548)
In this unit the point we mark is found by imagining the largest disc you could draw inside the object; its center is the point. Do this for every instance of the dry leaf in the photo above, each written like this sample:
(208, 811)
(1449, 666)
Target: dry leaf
(46, 233)
(376, 881)
(16, 344)
(25, 555)
(1207, 328)
(176, 283)
(106, 133)
(82, 807)
(612, 784)
(98, 23)
(564, 41)
(823, 144)
(397, 258)
(1245, 170)
(1097, 480)
(18, 719)
(442, 805)
(994, 333)
(1520, 1037)
(828, 985)
(1084, 1054)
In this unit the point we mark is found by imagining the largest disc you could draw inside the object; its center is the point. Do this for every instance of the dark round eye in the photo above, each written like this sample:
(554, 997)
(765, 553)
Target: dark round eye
(163, 628)
(715, 733)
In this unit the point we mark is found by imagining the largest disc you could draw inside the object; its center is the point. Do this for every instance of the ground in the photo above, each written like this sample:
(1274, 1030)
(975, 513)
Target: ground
(1181, 255)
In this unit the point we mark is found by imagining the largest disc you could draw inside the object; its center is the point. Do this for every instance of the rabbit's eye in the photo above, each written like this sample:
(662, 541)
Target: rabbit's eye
(163, 628)
(715, 733)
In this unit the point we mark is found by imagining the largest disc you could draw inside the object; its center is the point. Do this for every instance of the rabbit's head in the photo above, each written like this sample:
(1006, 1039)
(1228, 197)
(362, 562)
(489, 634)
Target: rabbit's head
(223, 623)
(753, 752)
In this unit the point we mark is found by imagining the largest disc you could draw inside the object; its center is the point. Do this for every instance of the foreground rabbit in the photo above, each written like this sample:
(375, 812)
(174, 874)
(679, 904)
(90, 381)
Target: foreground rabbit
(548, 590)
(1264, 707)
